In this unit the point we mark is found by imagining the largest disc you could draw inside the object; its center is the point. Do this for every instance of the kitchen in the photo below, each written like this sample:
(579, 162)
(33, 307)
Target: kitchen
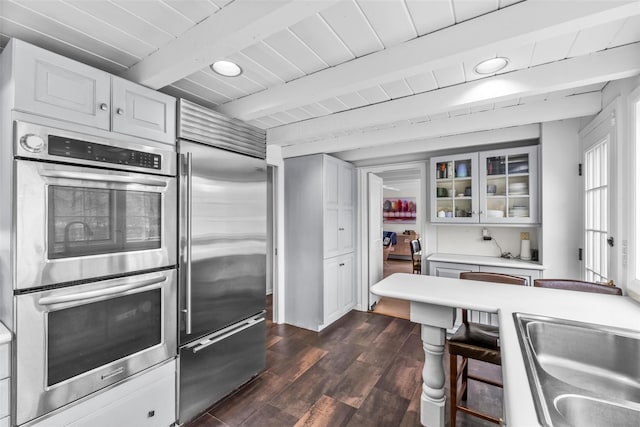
(159, 45)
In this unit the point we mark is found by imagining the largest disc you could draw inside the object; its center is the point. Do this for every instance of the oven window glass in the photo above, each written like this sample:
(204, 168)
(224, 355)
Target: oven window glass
(89, 221)
(86, 337)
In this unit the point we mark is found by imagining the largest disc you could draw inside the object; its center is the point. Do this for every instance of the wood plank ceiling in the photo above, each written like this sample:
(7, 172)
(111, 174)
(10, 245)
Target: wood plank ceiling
(359, 78)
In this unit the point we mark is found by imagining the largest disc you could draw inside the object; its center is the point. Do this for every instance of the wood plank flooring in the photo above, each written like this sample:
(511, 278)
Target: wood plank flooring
(364, 370)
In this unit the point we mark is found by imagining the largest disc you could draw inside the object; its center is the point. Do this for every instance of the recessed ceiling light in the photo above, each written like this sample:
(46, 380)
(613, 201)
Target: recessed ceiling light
(226, 68)
(491, 66)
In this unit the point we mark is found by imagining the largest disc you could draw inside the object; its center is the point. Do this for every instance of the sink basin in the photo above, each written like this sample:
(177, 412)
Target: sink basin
(586, 411)
(581, 374)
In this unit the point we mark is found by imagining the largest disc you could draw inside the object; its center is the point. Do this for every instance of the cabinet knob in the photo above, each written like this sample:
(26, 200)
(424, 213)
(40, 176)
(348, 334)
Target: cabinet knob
(104, 107)
(342, 264)
(119, 111)
(340, 228)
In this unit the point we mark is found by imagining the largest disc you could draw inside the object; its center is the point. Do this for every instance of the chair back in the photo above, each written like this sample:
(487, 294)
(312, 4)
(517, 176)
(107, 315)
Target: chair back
(415, 246)
(577, 285)
(506, 279)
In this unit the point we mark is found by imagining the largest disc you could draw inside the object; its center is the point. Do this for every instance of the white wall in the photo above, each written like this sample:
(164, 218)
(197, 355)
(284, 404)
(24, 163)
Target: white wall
(467, 240)
(560, 196)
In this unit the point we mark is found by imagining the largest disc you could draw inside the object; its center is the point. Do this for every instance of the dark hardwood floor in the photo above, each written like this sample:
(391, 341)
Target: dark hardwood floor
(364, 370)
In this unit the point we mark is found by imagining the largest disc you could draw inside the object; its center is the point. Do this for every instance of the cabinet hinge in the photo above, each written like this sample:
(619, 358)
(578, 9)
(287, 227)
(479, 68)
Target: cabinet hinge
(579, 169)
(579, 254)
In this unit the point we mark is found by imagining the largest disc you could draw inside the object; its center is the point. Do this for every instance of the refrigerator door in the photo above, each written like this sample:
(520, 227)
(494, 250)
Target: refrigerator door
(222, 238)
(216, 365)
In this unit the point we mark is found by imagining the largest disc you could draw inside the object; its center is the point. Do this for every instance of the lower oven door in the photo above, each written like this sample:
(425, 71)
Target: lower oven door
(75, 223)
(73, 341)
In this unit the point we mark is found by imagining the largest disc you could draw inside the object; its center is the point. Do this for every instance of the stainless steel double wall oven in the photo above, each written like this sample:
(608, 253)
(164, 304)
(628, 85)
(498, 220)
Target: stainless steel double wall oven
(95, 254)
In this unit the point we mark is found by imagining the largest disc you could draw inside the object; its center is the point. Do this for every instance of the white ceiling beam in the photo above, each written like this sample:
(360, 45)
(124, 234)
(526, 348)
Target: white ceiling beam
(474, 139)
(514, 26)
(598, 67)
(423, 134)
(236, 26)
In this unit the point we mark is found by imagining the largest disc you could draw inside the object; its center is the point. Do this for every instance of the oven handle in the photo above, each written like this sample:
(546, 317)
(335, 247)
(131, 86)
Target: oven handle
(114, 290)
(105, 178)
(188, 214)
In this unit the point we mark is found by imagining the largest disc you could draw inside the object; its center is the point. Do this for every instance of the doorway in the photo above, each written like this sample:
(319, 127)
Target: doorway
(406, 184)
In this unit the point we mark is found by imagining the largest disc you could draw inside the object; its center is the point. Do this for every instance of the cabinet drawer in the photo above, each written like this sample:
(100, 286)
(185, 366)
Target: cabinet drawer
(5, 360)
(5, 394)
(5, 422)
(150, 406)
(147, 400)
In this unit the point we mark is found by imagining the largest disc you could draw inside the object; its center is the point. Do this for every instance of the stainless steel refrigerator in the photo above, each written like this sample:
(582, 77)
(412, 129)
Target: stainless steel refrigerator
(222, 267)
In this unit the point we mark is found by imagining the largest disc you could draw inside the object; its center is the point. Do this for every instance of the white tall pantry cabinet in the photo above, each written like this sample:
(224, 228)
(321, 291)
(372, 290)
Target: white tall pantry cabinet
(320, 240)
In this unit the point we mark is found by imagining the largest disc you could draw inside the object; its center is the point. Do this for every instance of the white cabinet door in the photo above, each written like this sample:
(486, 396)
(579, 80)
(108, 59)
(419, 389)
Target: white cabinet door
(331, 291)
(346, 271)
(454, 189)
(54, 86)
(346, 228)
(509, 186)
(331, 199)
(143, 112)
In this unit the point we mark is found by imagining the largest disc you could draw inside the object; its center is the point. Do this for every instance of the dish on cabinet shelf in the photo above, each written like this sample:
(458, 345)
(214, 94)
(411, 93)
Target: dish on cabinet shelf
(491, 213)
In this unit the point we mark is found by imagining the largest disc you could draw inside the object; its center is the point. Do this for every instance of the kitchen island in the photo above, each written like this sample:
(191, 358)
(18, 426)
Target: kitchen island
(433, 304)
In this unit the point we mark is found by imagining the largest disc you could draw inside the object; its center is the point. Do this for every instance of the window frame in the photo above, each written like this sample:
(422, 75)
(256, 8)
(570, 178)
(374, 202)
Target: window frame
(633, 280)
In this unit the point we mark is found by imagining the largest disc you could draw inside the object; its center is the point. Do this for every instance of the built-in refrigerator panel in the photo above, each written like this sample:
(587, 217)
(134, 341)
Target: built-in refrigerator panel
(224, 196)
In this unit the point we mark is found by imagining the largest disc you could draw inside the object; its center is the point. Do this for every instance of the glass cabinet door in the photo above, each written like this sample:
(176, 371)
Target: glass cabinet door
(508, 186)
(454, 186)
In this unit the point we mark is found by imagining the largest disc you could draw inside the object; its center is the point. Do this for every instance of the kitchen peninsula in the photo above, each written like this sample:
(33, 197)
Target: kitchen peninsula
(433, 303)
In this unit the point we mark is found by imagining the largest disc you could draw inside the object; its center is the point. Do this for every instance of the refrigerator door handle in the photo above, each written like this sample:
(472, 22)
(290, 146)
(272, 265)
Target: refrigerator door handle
(187, 258)
(208, 342)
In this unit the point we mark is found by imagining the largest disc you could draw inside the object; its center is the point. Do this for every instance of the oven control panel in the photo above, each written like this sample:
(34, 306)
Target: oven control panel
(77, 149)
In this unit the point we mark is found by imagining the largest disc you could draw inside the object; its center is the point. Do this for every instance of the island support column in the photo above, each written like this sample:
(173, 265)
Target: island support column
(435, 321)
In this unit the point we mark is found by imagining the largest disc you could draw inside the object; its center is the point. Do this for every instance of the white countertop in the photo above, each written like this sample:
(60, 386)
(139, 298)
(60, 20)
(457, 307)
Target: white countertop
(602, 309)
(493, 261)
(5, 335)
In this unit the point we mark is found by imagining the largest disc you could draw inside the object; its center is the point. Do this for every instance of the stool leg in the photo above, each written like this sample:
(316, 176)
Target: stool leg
(453, 389)
(465, 374)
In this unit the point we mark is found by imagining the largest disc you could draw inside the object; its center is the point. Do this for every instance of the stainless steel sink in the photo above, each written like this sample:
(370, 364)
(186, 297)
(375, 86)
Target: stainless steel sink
(581, 374)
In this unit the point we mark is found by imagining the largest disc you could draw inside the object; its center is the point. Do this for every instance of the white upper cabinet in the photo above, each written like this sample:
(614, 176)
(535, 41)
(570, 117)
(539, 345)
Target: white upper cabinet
(454, 188)
(54, 86)
(51, 85)
(491, 187)
(509, 186)
(142, 112)
(339, 207)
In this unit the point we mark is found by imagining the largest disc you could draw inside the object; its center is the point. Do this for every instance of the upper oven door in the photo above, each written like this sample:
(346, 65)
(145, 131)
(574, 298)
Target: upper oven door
(75, 223)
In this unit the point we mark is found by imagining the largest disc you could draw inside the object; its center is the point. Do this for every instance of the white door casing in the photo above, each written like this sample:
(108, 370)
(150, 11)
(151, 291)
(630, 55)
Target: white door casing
(375, 234)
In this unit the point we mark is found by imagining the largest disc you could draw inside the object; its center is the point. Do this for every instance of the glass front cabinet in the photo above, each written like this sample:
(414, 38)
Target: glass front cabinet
(454, 188)
(491, 187)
